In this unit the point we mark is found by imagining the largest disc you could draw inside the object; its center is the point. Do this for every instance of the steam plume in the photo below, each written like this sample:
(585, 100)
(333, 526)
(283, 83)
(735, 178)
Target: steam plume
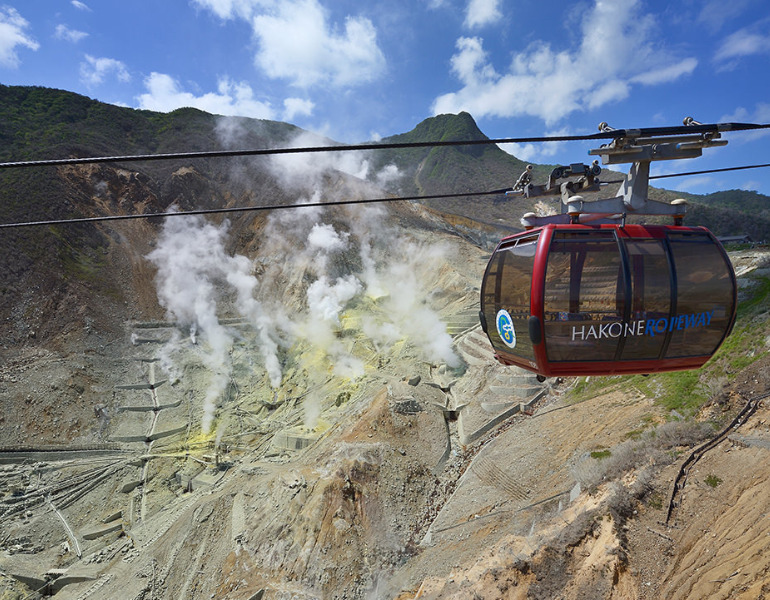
(333, 262)
(194, 273)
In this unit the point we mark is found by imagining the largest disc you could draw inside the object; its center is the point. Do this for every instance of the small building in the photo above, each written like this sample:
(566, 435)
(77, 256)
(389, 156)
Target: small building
(735, 239)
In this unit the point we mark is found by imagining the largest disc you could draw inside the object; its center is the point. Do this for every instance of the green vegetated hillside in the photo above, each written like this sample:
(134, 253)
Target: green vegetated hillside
(449, 169)
(732, 212)
(43, 123)
(40, 123)
(459, 169)
(744, 200)
(726, 213)
(44, 268)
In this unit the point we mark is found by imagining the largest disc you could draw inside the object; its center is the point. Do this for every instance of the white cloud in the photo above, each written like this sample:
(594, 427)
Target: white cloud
(537, 152)
(482, 12)
(696, 185)
(94, 70)
(80, 5)
(69, 35)
(617, 43)
(760, 114)
(293, 107)
(228, 9)
(751, 185)
(609, 91)
(12, 36)
(525, 152)
(231, 99)
(468, 64)
(740, 114)
(666, 74)
(297, 42)
(715, 13)
(744, 42)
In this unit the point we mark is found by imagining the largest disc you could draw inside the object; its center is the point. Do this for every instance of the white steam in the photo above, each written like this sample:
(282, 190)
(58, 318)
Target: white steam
(194, 275)
(307, 169)
(406, 314)
(326, 299)
(329, 264)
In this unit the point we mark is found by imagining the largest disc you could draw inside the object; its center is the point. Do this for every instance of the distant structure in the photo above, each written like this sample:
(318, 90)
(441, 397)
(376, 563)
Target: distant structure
(736, 239)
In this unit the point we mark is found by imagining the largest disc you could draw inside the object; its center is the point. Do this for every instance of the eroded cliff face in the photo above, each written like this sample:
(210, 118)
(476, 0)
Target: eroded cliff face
(145, 457)
(613, 541)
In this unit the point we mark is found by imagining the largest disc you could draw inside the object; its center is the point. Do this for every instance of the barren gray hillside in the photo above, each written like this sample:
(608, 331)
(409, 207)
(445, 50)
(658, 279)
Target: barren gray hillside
(301, 404)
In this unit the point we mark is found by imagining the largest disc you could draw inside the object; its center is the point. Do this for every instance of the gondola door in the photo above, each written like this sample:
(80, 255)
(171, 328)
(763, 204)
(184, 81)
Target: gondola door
(506, 300)
(584, 299)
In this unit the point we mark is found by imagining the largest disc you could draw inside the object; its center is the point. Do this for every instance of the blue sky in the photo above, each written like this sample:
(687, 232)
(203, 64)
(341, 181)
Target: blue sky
(357, 70)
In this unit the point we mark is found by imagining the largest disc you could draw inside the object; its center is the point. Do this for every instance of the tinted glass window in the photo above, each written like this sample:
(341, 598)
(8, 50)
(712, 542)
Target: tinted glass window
(705, 298)
(506, 296)
(584, 298)
(650, 298)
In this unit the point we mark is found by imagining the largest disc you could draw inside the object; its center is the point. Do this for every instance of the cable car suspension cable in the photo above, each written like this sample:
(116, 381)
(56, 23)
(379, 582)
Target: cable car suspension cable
(710, 171)
(605, 134)
(239, 209)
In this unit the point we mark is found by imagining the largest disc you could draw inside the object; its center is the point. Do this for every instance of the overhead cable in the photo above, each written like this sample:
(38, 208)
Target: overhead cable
(240, 209)
(689, 173)
(710, 171)
(602, 135)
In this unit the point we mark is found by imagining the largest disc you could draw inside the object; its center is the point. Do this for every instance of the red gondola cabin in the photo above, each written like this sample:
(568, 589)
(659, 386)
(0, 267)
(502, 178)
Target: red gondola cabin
(608, 299)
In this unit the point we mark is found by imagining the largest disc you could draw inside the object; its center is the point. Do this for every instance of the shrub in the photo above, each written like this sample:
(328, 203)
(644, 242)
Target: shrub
(653, 447)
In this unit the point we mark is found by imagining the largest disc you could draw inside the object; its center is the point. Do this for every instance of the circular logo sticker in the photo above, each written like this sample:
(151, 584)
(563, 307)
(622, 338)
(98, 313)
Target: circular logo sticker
(505, 328)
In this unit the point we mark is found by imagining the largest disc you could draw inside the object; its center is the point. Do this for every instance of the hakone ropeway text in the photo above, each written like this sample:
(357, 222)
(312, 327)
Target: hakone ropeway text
(649, 327)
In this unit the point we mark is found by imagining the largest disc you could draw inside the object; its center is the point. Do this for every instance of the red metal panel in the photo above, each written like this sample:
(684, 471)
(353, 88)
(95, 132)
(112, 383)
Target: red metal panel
(537, 291)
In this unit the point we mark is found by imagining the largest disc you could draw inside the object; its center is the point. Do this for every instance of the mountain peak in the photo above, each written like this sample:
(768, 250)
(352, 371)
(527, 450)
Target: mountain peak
(446, 127)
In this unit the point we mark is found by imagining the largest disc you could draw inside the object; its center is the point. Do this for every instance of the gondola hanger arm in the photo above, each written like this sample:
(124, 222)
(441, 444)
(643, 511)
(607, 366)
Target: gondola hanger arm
(638, 147)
